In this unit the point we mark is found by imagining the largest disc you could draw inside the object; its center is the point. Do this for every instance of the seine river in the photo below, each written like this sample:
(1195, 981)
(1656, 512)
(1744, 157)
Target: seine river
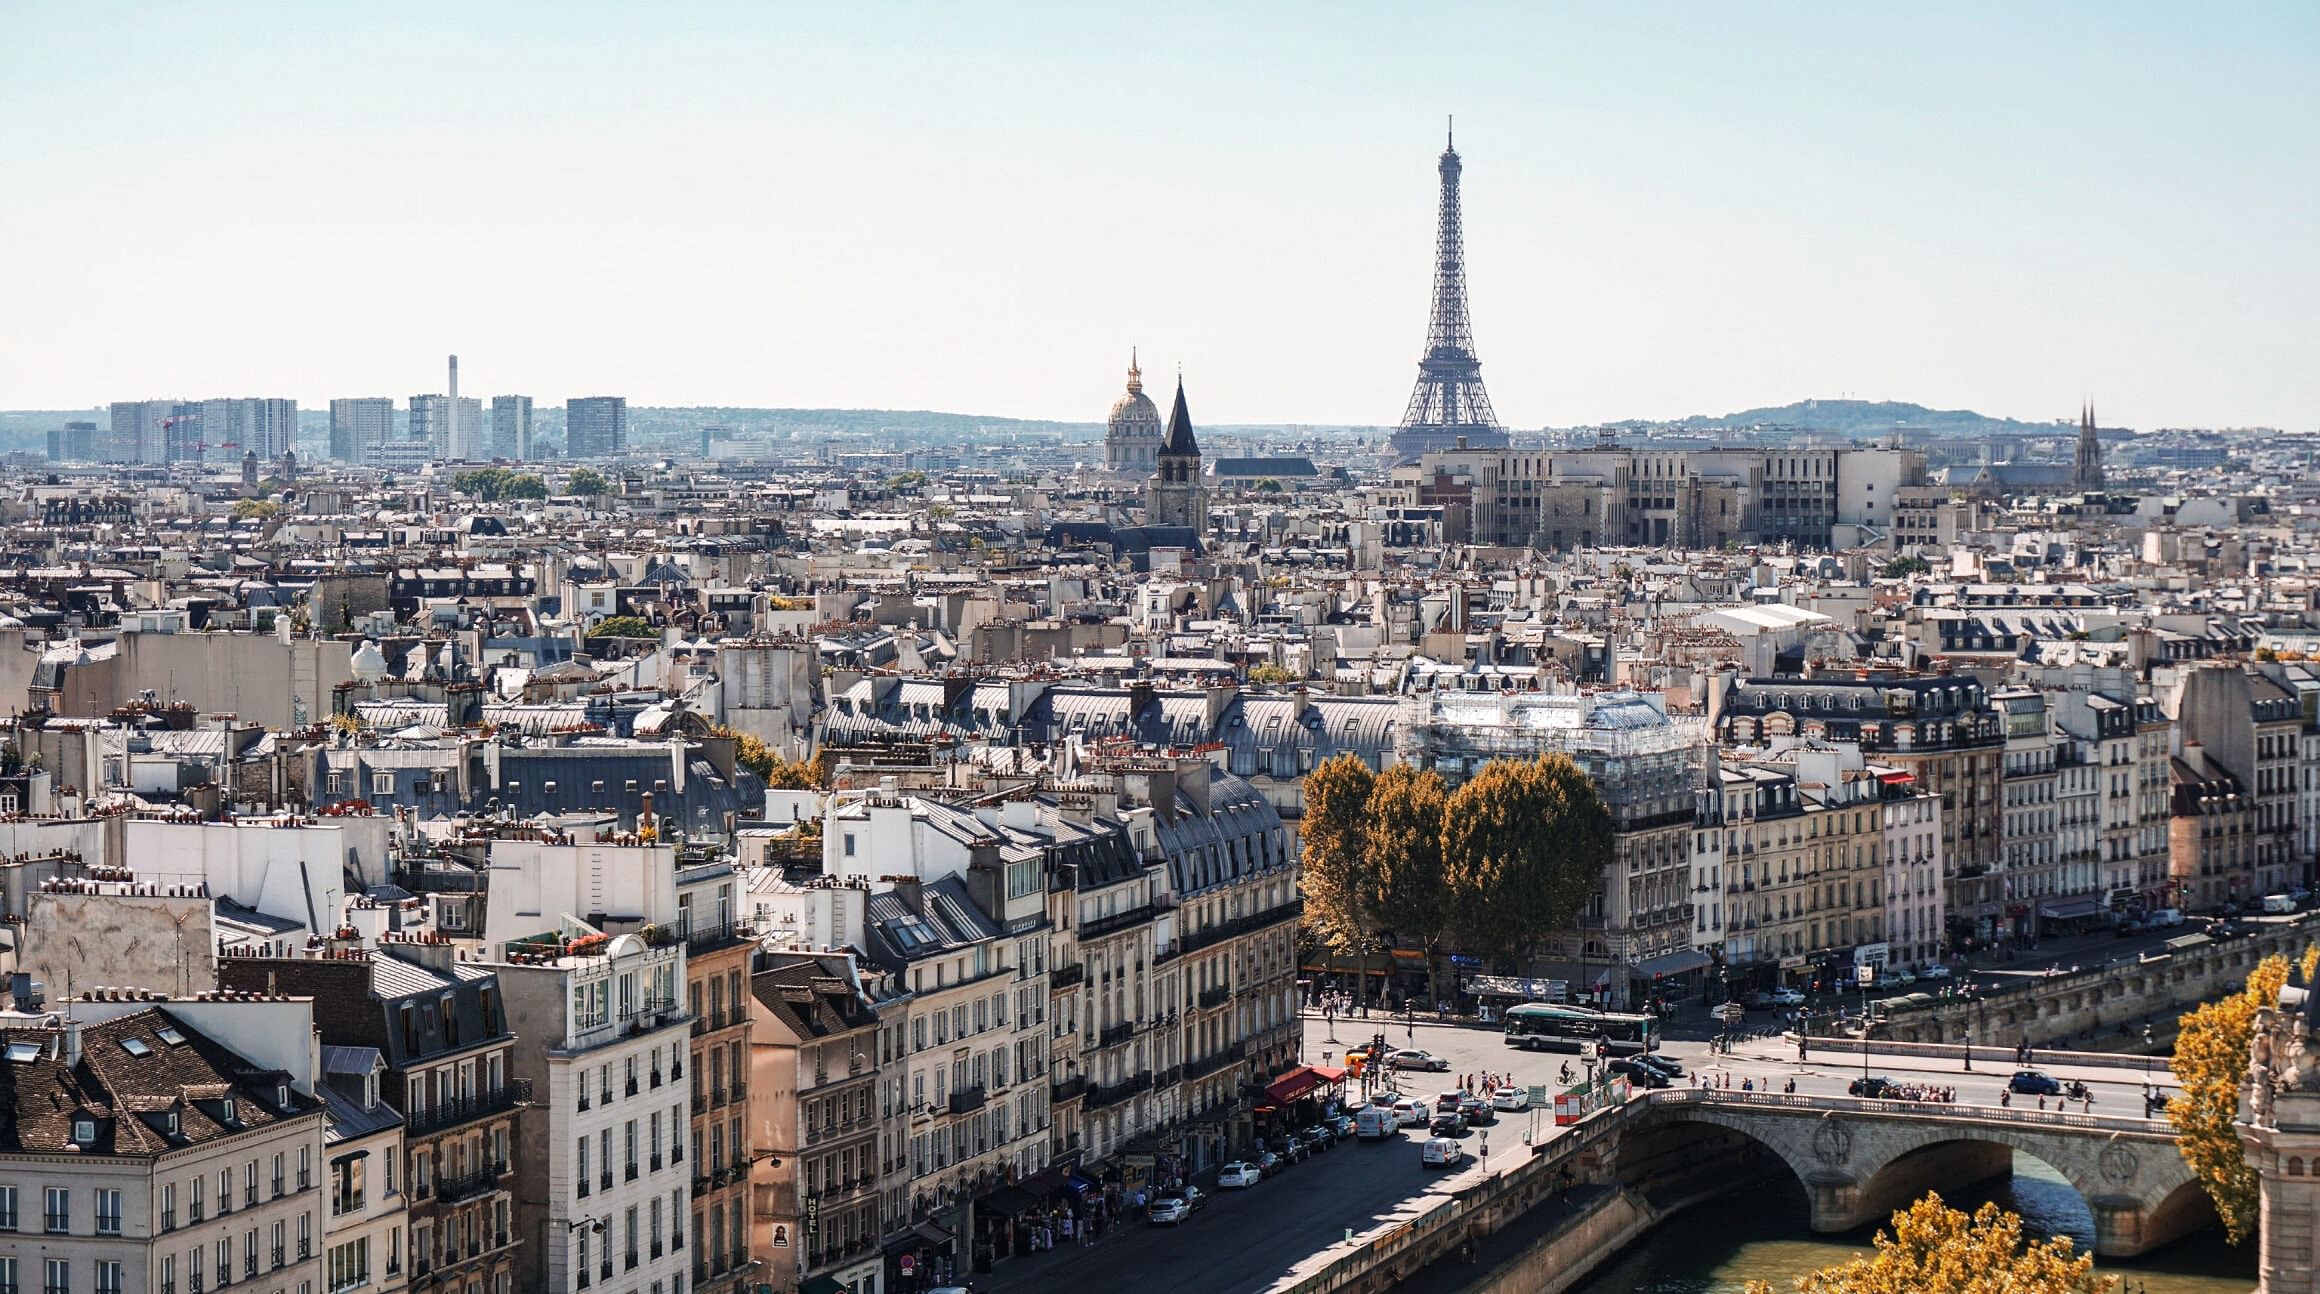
(1762, 1235)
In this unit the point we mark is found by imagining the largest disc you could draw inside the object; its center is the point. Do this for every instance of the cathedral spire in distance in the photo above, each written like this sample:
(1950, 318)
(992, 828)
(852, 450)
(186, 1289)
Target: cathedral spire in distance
(1449, 402)
(2087, 467)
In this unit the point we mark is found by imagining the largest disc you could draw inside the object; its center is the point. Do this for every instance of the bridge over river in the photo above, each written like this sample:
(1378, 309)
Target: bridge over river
(1636, 1164)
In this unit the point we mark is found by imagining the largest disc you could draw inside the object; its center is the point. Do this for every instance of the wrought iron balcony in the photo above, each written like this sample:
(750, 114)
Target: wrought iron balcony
(467, 1109)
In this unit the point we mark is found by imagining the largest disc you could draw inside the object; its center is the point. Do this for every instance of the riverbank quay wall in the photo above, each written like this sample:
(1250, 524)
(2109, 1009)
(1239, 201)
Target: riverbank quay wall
(2046, 1009)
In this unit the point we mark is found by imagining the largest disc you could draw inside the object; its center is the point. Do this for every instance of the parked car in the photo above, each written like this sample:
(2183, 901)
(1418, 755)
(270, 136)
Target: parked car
(1868, 1087)
(1238, 1175)
(1292, 1148)
(1412, 1114)
(1318, 1137)
(1758, 1000)
(1933, 970)
(1787, 997)
(2165, 919)
(2128, 927)
(2031, 1082)
(1169, 1211)
(1270, 1164)
(1441, 1152)
(1417, 1058)
(1511, 1099)
(1340, 1125)
(1666, 1065)
(1637, 1072)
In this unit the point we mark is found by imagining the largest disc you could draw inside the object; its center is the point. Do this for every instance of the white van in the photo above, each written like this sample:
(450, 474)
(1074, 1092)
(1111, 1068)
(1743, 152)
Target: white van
(2166, 918)
(1375, 1123)
(2279, 905)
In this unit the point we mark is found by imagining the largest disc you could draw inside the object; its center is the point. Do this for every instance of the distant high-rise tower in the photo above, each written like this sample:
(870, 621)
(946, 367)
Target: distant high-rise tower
(1176, 496)
(511, 427)
(595, 426)
(430, 424)
(2087, 471)
(1449, 401)
(360, 427)
(1132, 435)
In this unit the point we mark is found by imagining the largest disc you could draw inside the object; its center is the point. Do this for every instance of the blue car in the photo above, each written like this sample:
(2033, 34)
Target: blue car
(2030, 1082)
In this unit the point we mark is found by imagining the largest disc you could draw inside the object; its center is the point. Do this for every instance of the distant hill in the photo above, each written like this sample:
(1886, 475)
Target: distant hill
(1859, 419)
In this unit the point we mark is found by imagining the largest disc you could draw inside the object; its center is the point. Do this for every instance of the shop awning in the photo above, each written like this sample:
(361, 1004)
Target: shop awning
(1329, 1073)
(1079, 1183)
(822, 1285)
(1007, 1202)
(1288, 1087)
(2070, 908)
(1675, 963)
(1044, 1184)
(918, 1235)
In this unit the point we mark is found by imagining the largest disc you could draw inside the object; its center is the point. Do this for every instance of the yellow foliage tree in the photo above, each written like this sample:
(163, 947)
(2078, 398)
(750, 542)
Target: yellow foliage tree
(1933, 1247)
(2211, 1062)
(1336, 874)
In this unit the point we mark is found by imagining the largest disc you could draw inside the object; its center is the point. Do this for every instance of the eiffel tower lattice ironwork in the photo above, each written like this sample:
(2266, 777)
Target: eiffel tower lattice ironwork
(1449, 401)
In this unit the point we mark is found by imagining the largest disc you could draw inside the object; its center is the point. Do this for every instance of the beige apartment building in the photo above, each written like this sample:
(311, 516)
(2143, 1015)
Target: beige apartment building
(153, 1157)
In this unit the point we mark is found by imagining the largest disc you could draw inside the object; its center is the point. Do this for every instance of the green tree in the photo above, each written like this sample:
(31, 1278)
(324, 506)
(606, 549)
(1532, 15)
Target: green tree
(586, 482)
(1901, 566)
(778, 773)
(909, 480)
(2211, 1062)
(1271, 673)
(523, 485)
(1523, 844)
(255, 509)
(1935, 1249)
(1402, 848)
(623, 627)
(1267, 486)
(1336, 863)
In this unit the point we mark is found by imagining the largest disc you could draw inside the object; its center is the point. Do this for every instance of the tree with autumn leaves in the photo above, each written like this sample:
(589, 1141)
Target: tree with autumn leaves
(1505, 858)
(1932, 1247)
(2211, 1062)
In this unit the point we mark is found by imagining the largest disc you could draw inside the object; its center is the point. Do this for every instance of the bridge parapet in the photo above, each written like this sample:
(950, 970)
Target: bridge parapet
(1860, 1159)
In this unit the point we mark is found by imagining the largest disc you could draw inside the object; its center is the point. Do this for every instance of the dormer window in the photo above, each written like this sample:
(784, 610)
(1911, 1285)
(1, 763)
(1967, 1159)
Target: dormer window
(282, 1095)
(84, 1132)
(230, 1116)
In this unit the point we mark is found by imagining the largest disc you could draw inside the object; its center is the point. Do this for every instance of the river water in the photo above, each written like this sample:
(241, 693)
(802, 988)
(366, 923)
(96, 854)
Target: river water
(1763, 1235)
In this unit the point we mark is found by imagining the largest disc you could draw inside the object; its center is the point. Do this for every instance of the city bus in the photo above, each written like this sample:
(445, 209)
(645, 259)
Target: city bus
(1540, 1026)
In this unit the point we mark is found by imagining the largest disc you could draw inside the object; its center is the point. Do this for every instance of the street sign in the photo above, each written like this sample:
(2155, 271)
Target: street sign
(1538, 1094)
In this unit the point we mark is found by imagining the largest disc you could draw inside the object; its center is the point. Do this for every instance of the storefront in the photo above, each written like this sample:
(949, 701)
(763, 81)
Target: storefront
(921, 1256)
(1298, 1099)
(1658, 983)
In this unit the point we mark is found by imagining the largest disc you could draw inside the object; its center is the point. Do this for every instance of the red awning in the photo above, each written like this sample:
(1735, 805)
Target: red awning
(1329, 1073)
(1297, 1082)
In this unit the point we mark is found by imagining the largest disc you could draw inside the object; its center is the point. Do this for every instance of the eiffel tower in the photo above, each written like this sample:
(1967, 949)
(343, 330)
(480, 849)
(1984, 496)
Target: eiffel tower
(1449, 401)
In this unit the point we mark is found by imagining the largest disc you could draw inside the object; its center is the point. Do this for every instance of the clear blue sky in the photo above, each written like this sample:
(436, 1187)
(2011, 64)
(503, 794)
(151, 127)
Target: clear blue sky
(1672, 208)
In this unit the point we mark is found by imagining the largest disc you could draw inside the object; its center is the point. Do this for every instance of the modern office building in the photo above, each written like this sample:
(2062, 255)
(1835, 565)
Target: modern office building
(429, 423)
(359, 427)
(511, 427)
(595, 426)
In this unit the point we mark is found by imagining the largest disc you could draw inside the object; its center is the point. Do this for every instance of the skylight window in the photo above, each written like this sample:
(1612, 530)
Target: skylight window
(169, 1035)
(23, 1053)
(136, 1047)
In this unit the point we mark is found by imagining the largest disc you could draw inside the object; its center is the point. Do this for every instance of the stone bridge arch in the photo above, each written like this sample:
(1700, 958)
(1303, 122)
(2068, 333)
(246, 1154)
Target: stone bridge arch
(1859, 1160)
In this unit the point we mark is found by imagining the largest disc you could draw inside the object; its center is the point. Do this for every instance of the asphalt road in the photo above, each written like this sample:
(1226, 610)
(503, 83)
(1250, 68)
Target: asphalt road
(1245, 1240)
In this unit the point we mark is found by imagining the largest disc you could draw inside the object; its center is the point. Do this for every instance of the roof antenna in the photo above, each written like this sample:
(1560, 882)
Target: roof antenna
(1450, 133)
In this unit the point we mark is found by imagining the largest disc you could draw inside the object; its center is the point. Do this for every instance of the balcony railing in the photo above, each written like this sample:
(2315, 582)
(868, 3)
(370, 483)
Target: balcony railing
(1098, 927)
(1212, 998)
(1101, 1096)
(1117, 1034)
(710, 937)
(466, 1109)
(1066, 976)
(452, 1189)
(1208, 1065)
(1222, 931)
(968, 1098)
(1058, 1093)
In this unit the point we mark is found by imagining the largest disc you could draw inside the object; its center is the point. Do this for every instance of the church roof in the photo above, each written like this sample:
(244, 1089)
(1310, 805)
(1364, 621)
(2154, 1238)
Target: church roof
(1180, 439)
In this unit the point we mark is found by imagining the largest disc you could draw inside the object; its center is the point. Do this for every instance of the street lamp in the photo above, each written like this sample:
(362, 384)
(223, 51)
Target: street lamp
(1865, 974)
(2150, 1054)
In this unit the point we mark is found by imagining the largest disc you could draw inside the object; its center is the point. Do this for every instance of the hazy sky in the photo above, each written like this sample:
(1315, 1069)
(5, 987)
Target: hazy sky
(1671, 208)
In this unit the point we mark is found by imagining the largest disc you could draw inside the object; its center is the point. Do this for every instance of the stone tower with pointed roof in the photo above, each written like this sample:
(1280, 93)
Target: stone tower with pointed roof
(2087, 469)
(1175, 495)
